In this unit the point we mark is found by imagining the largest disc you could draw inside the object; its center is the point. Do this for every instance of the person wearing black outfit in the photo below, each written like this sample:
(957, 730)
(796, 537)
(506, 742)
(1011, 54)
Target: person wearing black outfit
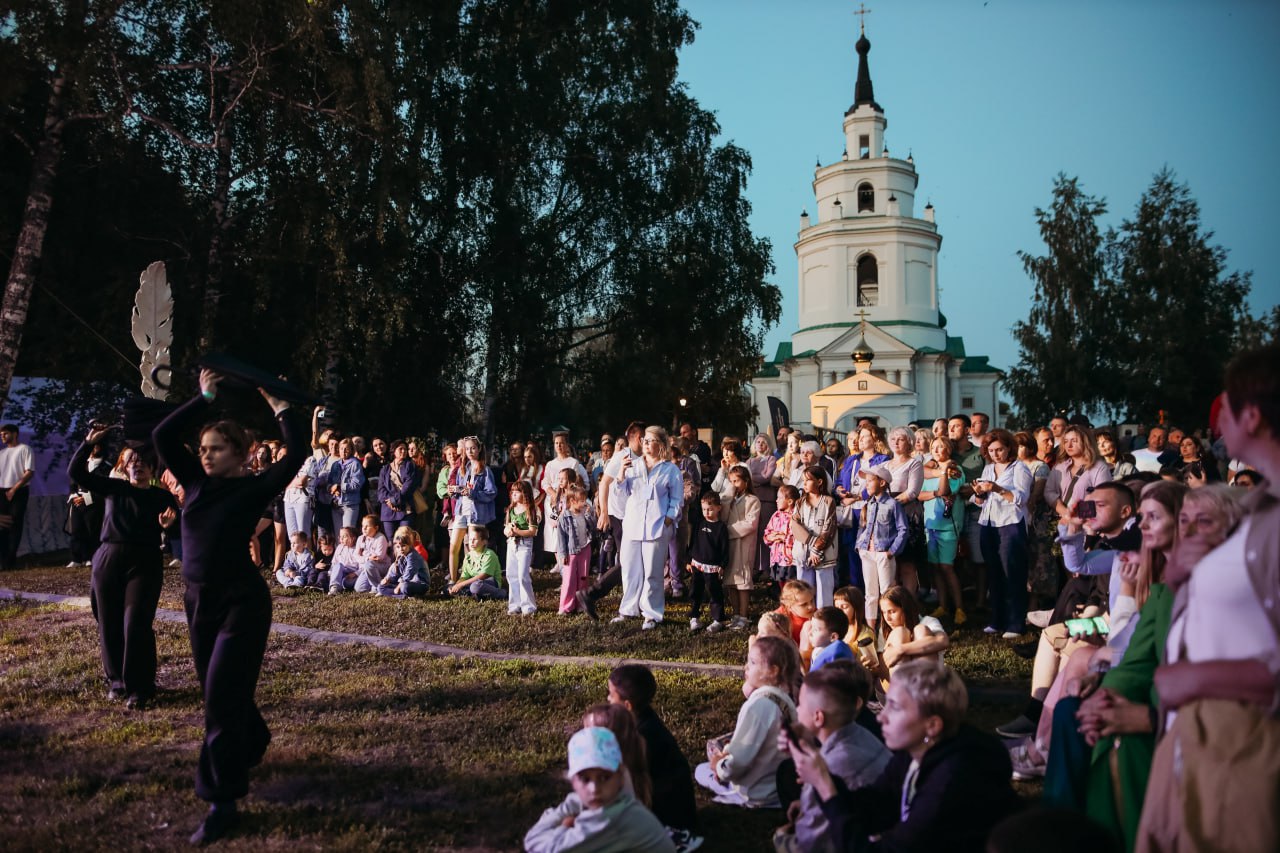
(228, 604)
(945, 787)
(128, 569)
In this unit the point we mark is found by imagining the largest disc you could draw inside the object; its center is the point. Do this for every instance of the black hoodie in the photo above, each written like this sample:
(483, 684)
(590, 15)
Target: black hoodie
(962, 791)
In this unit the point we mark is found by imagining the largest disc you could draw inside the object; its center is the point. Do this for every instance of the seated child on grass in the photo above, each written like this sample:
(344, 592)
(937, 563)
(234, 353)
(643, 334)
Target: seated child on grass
(599, 815)
(908, 635)
(830, 701)
(632, 686)
(480, 576)
(826, 631)
(299, 564)
(852, 601)
(345, 567)
(373, 554)
(635, 761)
(741, 772)
(324, 561)
(408, 575)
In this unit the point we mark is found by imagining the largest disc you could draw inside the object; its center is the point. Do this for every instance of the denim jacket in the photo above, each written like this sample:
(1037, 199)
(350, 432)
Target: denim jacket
(350, 482)
(883, 517)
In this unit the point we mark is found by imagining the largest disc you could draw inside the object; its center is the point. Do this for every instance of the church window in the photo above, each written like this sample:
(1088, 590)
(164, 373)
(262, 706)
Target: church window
(864, 147)
(866, 198)
(868, 281)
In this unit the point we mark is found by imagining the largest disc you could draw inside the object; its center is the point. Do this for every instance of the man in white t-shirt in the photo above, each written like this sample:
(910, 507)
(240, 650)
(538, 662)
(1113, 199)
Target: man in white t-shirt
(17, 467)
(1156, 454)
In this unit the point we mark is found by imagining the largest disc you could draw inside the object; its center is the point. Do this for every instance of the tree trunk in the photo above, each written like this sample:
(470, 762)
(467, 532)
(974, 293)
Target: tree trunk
(220, 225)
(30, 245)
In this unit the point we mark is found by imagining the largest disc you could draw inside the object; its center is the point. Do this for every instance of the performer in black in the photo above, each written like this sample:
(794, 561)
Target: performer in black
(127, 569)
(227, 602)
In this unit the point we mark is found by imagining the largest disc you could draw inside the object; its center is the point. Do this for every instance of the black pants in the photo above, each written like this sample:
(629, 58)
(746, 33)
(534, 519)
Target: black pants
(702, 581)
(11, 536)
(85, 523)
(125, 590)
(228, 623)
(611, 579)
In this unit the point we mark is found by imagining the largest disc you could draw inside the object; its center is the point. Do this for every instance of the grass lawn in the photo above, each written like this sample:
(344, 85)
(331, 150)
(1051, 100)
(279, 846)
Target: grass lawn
(485, 626)
(372, 749)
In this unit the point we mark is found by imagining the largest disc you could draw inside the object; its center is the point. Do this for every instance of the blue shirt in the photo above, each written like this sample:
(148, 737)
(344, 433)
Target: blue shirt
(837, 650)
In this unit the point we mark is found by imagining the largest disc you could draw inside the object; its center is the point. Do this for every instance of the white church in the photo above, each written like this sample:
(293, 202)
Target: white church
(872, 340)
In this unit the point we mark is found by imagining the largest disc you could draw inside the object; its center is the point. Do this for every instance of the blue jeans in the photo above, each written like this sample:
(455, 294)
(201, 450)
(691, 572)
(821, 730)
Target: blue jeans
(297, 516)
(1004, 550)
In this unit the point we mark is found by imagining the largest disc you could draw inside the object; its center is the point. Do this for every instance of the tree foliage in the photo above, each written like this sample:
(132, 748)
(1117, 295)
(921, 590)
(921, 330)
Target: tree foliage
(468, 211)
(1137, 322)
(1060, 364)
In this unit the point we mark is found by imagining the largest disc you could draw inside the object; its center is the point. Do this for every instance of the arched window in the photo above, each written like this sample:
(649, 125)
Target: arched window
(868, 281)
(866, 198)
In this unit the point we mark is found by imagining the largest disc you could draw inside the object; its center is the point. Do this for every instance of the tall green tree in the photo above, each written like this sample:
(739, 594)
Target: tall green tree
(1061, 368)
(1178, 309)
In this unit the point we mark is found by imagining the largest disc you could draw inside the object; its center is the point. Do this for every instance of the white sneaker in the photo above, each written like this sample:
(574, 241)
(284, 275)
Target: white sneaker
(73, 565)
(618, 620)
(738, 623)
(695, 624)
(715, 627)
(1024, 767)
(1039, 618)
(649, 625)
(1010, 635)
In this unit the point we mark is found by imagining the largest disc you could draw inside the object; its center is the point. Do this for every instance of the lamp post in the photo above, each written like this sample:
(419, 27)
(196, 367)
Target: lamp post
(681, 403)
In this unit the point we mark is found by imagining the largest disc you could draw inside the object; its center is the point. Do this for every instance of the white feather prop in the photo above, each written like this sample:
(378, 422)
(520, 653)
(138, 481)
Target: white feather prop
(153, 329)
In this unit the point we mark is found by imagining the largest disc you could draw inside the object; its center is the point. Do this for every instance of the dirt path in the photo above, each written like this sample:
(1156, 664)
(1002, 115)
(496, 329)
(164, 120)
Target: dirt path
(435, 649)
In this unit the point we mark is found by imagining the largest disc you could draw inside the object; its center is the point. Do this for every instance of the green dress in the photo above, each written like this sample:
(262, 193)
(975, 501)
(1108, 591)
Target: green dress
(1121, 764)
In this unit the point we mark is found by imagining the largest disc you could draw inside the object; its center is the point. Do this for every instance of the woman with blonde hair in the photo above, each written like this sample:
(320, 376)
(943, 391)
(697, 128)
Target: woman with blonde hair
(653, 492)
(762, 466)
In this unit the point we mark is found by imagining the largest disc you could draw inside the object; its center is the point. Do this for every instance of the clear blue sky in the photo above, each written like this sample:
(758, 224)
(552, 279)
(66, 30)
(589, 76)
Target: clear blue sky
(994, 99)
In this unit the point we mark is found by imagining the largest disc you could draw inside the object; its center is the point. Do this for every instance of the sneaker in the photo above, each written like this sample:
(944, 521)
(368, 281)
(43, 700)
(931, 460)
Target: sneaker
(1024, 767)
(649, 625)
(940, 613)
(73, 565)
(175, 563)
(715, 627)
(588, 606)
(618, 620)
(136, 702)
(1039, 618)
(1019, 727)
(684, 840)
(961, 618)
(115, 694)
(695, 624)
(991, 629)
(1010, 635)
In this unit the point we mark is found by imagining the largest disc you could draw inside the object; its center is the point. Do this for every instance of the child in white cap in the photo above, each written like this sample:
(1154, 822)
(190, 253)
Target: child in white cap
(598, 816)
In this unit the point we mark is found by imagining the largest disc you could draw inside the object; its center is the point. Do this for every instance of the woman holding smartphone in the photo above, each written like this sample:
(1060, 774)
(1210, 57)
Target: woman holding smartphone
(1003, 493)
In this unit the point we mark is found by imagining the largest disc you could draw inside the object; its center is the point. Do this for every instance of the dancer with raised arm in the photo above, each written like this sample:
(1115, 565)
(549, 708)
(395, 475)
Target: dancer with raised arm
(228, 603)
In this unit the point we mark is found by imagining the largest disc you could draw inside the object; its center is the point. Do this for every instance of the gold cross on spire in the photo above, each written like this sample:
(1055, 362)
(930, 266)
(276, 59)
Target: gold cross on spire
(863, 315)
(862, 13)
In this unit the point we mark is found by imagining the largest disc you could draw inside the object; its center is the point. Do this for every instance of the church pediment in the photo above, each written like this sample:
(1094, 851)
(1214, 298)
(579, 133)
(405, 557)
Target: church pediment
(878, 339)
(861, 385)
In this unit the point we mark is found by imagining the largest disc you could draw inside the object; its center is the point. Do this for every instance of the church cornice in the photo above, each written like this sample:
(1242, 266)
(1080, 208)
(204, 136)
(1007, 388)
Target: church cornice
(876, 323)
(871, 223)
(877, 164)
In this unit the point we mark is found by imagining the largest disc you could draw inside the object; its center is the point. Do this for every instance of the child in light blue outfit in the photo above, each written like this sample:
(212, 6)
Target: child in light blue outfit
(299, 567)
(408, 575)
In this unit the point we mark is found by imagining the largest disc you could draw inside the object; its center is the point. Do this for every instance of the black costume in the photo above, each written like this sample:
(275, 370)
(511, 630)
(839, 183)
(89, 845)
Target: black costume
(228, 604)
(962, 790)
(127, 574)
